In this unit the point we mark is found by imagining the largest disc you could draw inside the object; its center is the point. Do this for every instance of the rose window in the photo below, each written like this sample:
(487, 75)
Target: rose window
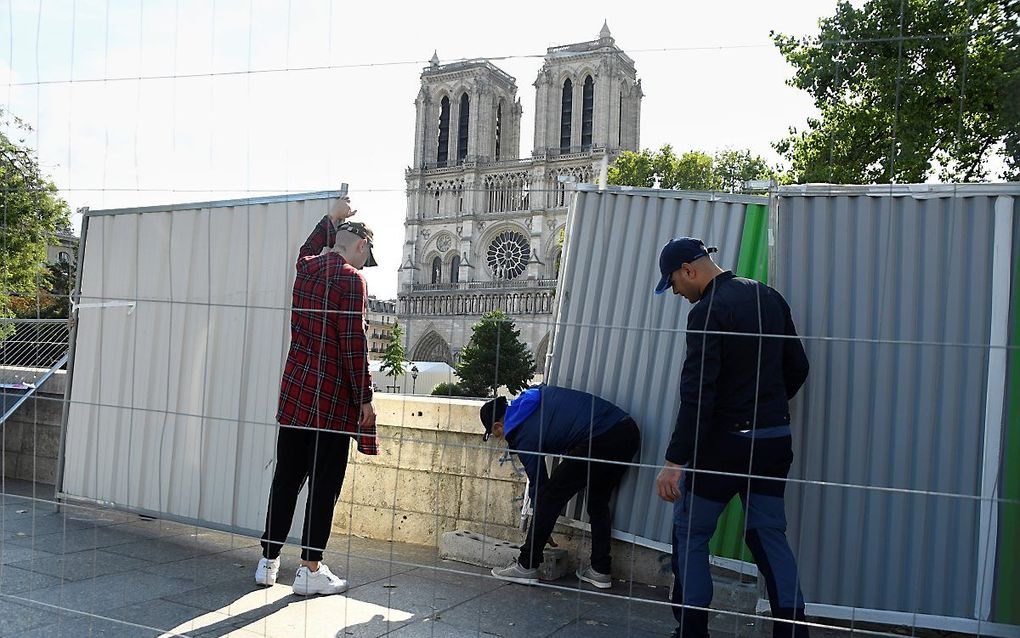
(508, 255)
(443, 243)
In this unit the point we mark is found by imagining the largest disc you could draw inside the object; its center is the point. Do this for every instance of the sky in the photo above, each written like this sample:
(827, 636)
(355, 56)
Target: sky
(145, 103)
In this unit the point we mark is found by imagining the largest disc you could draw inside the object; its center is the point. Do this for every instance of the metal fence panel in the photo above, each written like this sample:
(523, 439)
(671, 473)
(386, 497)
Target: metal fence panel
(872, 272)
(173, 402)
(893, 291)
(617, 340)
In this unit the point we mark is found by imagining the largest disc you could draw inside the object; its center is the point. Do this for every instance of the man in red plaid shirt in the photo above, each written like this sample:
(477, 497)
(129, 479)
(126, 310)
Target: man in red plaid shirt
(325, 396)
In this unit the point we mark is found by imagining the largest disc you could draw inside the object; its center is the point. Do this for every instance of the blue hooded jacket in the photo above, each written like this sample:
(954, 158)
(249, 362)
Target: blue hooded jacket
(562, 421)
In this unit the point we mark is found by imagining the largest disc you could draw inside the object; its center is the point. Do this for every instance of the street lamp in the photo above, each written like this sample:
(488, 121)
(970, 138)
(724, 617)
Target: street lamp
(414, 376)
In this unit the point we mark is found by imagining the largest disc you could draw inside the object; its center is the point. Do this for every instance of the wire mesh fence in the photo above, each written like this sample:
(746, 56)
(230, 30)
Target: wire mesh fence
(33, 343)
(176, 481)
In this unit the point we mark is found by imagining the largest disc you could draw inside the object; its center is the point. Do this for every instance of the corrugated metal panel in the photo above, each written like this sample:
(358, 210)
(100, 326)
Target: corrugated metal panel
(892, 289)
(173, 404)
(617, 340)
(858, 266)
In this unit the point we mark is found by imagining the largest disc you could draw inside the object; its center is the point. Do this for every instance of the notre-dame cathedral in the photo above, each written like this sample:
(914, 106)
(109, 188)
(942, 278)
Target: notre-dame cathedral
(484, 226)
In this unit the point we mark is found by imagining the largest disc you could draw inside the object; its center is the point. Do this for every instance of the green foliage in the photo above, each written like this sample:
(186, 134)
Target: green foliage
(694, 170)
(690, 171)
(734, 167)
(633, 169)
(942, 102)
(449, 389)
(394, 355)
(31, 213)
(52, 300)
(495, 356)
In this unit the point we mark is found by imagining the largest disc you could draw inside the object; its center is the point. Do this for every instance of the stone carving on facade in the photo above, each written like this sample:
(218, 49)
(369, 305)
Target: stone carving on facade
(443, 243)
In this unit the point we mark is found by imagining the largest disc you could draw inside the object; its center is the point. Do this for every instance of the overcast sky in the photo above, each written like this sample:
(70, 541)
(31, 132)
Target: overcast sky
(711, 77)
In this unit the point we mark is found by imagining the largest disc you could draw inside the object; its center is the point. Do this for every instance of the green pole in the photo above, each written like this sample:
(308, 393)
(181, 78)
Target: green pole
(752, 263)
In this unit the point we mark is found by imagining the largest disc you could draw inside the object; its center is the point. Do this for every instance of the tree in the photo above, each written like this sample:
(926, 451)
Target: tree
(634, 169)
(734, 167)
(694, 170)
(495, 356)
(52, 299)
(394, 355)
(940, 101)
(449, 389)
(31, 213)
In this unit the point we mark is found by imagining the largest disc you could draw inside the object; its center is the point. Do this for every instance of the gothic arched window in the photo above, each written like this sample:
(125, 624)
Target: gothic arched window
(587, 112)
(462, 127)
(566, 112)
(455, 269)
(444, 132)
(619, 130)
(437, 270)
(508, 255)
(499, 127)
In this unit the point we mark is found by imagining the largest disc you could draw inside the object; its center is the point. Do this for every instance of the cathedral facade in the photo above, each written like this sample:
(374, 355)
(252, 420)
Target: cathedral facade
(484, 226)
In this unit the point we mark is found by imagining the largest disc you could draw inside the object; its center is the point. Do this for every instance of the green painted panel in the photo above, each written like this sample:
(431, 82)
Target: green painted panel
(1007, 585)
(753, 263)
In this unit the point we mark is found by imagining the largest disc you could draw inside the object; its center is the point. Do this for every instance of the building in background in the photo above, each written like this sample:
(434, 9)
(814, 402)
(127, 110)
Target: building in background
(62, 248)
(484, 226)
(382, 314)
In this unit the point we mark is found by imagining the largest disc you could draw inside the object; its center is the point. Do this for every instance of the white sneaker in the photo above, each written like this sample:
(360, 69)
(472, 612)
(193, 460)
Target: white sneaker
(267, 571)
(600, 580)
(323, 581)
(517, 574)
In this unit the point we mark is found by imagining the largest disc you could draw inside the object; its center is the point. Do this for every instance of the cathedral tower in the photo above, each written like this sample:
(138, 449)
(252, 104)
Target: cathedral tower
(587, 97)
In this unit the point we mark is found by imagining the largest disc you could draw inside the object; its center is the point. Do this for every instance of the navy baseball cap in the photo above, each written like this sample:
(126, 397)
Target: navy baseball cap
(676, 253)
(491, 411)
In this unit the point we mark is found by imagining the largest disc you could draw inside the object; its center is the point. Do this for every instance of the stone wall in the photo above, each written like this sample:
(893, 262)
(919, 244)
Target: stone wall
(31, 436)
(435, 474)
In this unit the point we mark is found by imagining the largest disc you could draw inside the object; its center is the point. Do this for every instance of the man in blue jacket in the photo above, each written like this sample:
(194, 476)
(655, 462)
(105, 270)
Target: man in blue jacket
(551, 420)
(733, 430)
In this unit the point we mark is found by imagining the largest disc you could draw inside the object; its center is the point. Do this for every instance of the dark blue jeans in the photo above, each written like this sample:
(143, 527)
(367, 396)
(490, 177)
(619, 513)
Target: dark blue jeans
(703, 499)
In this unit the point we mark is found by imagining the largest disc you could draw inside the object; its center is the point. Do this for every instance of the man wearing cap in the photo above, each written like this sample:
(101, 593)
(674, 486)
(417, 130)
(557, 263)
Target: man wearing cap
(325, 396)
(551, 420)
(732, 430)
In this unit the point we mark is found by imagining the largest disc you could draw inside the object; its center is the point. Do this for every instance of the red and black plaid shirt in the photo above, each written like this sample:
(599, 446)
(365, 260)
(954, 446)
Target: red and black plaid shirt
(326, 379)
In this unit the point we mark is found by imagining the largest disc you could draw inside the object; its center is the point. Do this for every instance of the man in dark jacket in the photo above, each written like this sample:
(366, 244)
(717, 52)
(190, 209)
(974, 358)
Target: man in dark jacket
(551, 420)
(744, 362)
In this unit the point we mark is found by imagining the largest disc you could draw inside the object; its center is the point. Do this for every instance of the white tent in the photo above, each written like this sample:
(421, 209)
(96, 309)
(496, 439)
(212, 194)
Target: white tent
(430, 374)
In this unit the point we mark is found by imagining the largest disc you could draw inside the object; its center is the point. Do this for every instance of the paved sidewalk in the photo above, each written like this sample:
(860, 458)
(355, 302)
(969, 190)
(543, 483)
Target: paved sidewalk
(85, 571)
(91, 572)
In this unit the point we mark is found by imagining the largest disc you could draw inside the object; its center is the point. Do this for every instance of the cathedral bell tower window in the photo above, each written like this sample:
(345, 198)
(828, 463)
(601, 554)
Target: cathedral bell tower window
(587, 112)
(444, 132)
(566, 112)
(462, 127)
